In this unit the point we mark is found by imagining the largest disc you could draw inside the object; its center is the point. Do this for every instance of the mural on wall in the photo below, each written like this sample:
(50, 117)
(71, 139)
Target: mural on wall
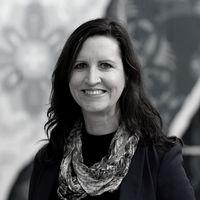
(165, 35)
(168, 48)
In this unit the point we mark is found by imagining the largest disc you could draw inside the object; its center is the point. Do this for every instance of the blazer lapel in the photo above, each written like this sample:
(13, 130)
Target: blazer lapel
(131, 184)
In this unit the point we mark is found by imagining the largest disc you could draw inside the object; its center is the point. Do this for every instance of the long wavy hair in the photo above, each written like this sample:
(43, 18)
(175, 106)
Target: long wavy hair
(137, 113)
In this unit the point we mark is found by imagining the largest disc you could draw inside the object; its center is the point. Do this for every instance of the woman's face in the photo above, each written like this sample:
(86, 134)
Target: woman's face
(98, 79)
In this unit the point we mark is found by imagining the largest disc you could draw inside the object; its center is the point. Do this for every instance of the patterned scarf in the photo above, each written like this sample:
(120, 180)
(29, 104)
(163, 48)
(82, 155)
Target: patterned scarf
(76, 180)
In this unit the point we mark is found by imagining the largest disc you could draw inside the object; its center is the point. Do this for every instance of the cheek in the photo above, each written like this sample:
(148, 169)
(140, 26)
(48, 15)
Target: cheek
(117, 84)
(74, 91)
(73, 86)
(121, 80)
(75, 81)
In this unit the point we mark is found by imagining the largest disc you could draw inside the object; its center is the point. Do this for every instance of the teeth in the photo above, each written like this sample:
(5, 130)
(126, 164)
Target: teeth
(93, 92)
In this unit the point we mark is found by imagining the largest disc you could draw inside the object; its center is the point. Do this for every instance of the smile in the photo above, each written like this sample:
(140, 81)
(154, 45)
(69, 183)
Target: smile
(94, 92)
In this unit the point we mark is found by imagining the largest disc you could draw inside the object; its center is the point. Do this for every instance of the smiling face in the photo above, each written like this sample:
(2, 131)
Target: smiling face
(98, 79)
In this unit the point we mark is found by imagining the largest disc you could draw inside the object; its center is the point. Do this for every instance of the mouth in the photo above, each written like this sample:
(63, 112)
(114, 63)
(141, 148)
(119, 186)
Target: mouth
(93, 91)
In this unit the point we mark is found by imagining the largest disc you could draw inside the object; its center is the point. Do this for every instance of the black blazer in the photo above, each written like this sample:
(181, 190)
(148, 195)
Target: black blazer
(153, 175)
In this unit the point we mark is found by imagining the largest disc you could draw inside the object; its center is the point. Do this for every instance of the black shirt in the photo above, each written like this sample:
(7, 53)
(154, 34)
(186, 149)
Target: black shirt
(94, 147)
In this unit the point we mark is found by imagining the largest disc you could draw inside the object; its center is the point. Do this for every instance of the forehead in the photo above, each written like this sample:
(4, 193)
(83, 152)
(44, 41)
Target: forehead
(100, 46)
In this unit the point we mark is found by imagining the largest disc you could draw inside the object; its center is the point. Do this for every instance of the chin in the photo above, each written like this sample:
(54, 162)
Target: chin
(94, 109)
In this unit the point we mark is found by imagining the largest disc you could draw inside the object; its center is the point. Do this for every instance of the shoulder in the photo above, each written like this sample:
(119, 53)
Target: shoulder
(172, 147)
(43, 162)
(170, 158)
(45, 156)
(158, 156)
(161, 149)
(41, 155)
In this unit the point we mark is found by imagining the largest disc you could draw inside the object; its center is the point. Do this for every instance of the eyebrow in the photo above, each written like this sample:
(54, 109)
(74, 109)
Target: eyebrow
(107, 60)
(103, 60)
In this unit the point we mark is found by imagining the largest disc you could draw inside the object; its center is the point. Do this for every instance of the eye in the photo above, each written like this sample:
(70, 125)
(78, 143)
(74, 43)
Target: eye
(80, 66)
(105, 66)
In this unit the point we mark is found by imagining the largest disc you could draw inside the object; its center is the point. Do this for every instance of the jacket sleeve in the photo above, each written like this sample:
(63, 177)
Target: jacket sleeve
(44, 176)
(173, 183)
(34, 177)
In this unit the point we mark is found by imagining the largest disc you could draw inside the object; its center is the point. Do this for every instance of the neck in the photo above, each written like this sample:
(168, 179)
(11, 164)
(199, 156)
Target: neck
(101, 124)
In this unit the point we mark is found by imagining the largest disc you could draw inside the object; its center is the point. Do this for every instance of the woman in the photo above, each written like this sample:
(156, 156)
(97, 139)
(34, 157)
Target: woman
(105, 138)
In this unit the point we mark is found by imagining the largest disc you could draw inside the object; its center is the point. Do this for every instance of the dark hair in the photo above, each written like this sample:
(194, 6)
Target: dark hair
(136, 111)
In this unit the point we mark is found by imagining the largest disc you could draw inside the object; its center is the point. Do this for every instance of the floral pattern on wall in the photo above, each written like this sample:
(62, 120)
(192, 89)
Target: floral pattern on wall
(27, 62)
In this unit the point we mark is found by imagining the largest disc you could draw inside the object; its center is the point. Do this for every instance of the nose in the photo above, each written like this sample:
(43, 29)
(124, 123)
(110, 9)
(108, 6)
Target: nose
(93, 76)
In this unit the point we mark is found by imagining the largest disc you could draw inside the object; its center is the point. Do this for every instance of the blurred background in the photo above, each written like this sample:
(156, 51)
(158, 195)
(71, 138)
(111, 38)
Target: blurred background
(166, 36)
